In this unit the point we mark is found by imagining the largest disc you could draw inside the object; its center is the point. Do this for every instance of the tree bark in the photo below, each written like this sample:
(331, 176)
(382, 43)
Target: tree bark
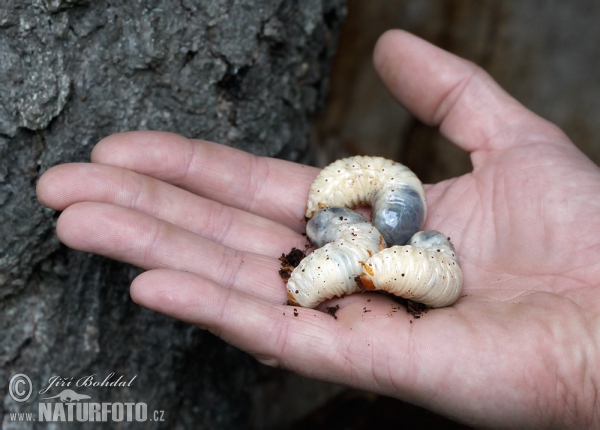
(245, 73)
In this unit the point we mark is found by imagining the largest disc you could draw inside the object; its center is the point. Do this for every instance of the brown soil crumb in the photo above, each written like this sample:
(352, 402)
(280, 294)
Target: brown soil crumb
(295, 312)
(289, 262)
(416, 309)
(331, 310)
(413, 308)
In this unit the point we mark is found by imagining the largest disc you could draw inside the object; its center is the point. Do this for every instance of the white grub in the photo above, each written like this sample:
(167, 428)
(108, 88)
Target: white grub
(426, 271)
(346, 240)
(392, 189)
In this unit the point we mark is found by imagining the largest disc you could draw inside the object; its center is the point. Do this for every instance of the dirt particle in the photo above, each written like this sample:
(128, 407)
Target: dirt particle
(289, 262)
(414, 308)
(285, 274)
(331, 310)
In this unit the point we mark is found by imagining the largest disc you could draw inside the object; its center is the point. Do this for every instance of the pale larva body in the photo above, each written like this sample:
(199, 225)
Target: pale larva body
(426, 271)
(346, 240)
(392, 189)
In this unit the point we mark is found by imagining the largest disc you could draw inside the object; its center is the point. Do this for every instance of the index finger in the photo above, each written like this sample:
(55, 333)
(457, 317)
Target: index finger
(444, 90)
(268, 187)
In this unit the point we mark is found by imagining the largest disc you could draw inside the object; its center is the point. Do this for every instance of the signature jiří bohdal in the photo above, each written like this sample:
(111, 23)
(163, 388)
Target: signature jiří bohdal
(88, 381)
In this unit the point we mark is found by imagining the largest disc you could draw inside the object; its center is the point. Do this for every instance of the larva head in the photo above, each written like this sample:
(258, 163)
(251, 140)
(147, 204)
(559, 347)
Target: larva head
(364, 282)
(325, 225)
(431, 239)
(398, 214)
(292, 299)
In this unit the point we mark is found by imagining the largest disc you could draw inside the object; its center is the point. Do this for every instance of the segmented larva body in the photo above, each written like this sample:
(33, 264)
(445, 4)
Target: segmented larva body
(346, 240)
(391, 189)
(426, 271)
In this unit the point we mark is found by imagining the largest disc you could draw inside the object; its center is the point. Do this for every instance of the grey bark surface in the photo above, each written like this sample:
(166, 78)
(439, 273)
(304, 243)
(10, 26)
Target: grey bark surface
(245, 73)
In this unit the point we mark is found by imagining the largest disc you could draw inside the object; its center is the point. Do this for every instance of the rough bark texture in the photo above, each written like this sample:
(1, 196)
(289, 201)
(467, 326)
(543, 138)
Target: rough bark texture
(246, 73)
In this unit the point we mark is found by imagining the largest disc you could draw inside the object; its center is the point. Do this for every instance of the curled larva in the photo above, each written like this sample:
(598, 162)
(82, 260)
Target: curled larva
(392, 189)
(346, 240)
(426, 271)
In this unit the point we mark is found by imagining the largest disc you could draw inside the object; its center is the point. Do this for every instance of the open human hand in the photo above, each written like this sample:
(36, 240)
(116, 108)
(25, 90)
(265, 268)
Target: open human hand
(519, 349)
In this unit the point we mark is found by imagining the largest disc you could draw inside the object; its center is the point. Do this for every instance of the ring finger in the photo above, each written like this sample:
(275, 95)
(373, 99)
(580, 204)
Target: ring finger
(147, 242)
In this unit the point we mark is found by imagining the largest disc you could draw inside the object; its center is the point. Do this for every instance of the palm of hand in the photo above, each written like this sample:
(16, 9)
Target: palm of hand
(527, 251)
(519, 347)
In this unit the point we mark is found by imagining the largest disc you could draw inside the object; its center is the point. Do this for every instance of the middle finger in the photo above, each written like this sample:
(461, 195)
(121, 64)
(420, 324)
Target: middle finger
(67, 184)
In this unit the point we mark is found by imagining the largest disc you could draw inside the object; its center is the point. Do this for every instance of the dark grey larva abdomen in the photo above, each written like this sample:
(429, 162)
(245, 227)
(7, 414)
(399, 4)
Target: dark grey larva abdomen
(398, 214)
(431, 239)
(327, 223)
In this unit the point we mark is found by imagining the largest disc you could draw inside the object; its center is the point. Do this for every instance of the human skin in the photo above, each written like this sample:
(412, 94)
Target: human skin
(208, 223)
